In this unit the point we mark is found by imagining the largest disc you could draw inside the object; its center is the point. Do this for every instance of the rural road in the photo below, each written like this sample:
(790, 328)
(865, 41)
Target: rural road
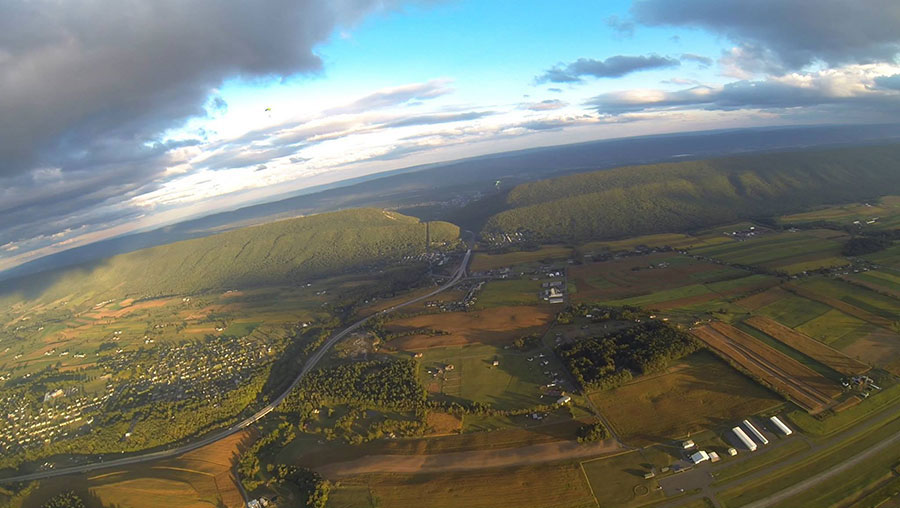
(310, 364)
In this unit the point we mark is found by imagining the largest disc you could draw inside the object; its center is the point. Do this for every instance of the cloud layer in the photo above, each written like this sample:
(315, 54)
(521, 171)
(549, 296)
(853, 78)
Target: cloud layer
(794, 33)
(612, 67)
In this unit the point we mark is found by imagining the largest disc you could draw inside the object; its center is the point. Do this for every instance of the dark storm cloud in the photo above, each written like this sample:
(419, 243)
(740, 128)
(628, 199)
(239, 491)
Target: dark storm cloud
(796, 32)
(612, 67)
(78, 70)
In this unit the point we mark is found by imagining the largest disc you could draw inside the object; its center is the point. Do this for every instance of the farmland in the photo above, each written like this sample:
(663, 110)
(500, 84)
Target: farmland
(806, 387)
(201, 478)
(551, 486)
(808, 346)
(783, 251)
(695, 393)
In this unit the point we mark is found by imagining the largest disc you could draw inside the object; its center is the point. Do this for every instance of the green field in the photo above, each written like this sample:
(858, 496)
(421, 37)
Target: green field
(618, 481)
(835, 328)
(793, 310)
(499, 293)
(515, 383)
(484, 261)
(787, 252)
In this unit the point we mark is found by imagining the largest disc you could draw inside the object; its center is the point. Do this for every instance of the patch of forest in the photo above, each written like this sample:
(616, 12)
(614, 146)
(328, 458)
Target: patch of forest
(609, 361)
(688, 195)
(282, 252)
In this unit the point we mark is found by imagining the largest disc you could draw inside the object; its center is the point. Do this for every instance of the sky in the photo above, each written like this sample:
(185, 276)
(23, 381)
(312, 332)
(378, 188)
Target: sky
(123, 116)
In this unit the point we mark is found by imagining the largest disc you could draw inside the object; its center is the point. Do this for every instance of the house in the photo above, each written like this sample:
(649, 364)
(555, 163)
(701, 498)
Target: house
(565, 399)
(732, 452)
(687, 445)
(496, 363)
(713, 457)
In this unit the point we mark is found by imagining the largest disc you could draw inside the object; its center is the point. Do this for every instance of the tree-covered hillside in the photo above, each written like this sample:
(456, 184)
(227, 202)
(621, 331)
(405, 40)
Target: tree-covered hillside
(281, 252)
(679, 196)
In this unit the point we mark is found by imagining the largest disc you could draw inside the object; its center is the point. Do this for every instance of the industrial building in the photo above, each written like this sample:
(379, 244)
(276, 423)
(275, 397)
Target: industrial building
(781, 426)
(762, 439)
(744, 439)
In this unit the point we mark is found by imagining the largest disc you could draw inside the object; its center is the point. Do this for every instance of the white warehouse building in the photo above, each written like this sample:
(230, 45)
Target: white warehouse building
(744, 439)
(762, 439)
(781, 426)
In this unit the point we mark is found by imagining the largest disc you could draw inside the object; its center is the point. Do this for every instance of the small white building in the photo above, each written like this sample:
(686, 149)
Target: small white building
(699, 457)
(687, 445)
(565, 399)
(732, 451)
(713, 457)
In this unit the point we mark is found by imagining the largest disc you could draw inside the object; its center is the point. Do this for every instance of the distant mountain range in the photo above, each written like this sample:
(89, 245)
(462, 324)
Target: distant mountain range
(445, 190)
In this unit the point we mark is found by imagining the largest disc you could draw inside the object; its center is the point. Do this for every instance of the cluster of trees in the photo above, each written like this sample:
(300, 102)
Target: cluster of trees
(607, 362)
(382, 383)
(592, 432)
(64, 500)
(863, 245)
(600, 313)
(288, 251)
(688, 195)
(313, 488)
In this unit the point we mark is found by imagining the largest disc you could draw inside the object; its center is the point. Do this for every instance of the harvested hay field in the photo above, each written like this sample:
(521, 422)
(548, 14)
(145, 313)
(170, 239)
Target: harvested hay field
(696, 393)
(545, 486)
(483, 261)
(490, 326)
(807, 388)
(880, 348)
(812, 348)
(762, 299)
(442, 423)
(841, 306)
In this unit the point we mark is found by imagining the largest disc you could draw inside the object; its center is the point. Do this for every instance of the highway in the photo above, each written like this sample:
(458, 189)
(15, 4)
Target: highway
(310, 364)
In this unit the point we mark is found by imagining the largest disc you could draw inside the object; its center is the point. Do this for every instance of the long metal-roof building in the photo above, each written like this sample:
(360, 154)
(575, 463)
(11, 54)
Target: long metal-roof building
(762, 439)
(744, 439)
(781, 426)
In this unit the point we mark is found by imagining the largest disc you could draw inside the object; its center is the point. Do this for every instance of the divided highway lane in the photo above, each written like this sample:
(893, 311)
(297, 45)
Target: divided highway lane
(458, 275)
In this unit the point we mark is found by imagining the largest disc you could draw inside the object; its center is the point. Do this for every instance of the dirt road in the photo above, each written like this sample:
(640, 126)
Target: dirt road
(463, 461)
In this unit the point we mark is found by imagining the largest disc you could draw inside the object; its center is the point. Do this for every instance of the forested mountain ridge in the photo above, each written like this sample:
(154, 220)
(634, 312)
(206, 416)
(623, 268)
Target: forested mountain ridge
(679, 196)
(281, 252)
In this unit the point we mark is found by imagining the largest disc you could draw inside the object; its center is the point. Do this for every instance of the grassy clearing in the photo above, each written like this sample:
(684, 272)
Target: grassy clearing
(515, 383)
(483, 261)
(548, 486)
(618, 481)
(510, 292)
(697, 393)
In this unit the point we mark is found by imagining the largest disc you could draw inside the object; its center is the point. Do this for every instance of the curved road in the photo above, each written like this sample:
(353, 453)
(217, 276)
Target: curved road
(458, 275)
